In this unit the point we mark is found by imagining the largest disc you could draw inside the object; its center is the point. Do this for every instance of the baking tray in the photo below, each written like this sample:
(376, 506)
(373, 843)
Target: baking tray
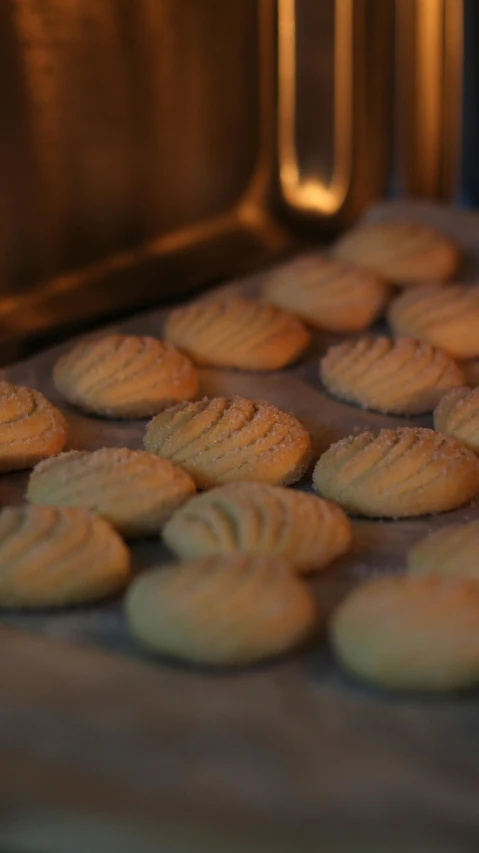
(290, 750)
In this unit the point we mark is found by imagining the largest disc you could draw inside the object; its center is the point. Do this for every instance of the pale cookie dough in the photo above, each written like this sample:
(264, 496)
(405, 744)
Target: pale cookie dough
(221, 610)
(402, 376)
(135, 491)
(458, 415)
(446, 317)
(410, 633)
(55, 557)
(31, 428)
(327, 293)
(397, 473)
(451, 551)
(254, 518)
(403, 253)
(218, 440)
(125, 376)
(238, 333)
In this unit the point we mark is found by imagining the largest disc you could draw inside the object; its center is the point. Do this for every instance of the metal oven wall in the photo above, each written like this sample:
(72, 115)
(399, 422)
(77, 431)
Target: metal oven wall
(148, 148)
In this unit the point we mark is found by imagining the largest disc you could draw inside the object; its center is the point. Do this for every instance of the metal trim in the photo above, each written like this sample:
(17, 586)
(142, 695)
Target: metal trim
(313, 195)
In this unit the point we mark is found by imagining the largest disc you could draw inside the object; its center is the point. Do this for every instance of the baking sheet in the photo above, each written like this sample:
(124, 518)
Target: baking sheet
(333, 747)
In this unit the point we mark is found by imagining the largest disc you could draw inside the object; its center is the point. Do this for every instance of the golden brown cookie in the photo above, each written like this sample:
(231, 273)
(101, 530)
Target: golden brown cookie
(219, 440)
(450, 551)
(403, 253)
(457, 414)
(135, 491)
(125, 376)
(31, 428)
(236, 332)
(397, 473)
(410, 633)
(402, 376)
(54, 557)
(221, 610)
(446, 317)
(327, 293)
(255, 518)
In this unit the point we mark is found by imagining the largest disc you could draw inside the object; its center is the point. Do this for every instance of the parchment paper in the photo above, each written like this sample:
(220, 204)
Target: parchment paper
(336, 747)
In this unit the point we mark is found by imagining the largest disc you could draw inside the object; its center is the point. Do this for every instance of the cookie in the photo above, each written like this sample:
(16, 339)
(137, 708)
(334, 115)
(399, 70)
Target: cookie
(403, 253)
(219, 440)
(397, 473)
(135, 491)
(410, 633)
(446, 317)
(51, 557)
(236, 332)
(254, 518)
(450, 551)
(327, 293)
(402, 376)
(31, 428)
(125, 376)
(457, 414)
(221, 610)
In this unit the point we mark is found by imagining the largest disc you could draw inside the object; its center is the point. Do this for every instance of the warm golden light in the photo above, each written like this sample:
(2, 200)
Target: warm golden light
(313, 194)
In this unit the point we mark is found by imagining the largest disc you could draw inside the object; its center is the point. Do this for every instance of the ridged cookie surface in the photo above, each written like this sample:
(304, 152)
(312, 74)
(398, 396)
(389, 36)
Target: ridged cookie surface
(457, 414)
(217, 440)
(135, 491)
(410, 633)
(53, 557)
(236, 332)
(125, 376)
(451, 551)
(327, 293)
(254, 518)
(401, 376)
(31, 428)
(403, 253)
(397, 473)
(447, 317)
(221, 610)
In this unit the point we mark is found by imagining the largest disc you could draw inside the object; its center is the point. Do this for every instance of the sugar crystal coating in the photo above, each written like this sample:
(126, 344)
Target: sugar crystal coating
(125, 376)
(397, 473)
(400, 376)
(220, 439)
(238, 333)
(255, 518)
(31, 428)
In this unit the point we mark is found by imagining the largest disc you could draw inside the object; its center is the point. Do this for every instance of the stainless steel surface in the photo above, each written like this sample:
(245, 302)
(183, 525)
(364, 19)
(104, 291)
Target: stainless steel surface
(131, 133)
(428, 96)
(140, 150)
(335, 95)
(150, 148)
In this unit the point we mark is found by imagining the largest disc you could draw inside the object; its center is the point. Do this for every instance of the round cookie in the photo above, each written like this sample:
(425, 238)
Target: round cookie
(254, 518)
(125, 376)
(410, 633)
(236, 332)
(52, 557)
(450, 551)
(402, 376)
(327, 293)
(397, 473)
(221, 610)
(457, 414)
(403, 253)
(222, 439)
(135, 491)
(31, 428)
(446, 317)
